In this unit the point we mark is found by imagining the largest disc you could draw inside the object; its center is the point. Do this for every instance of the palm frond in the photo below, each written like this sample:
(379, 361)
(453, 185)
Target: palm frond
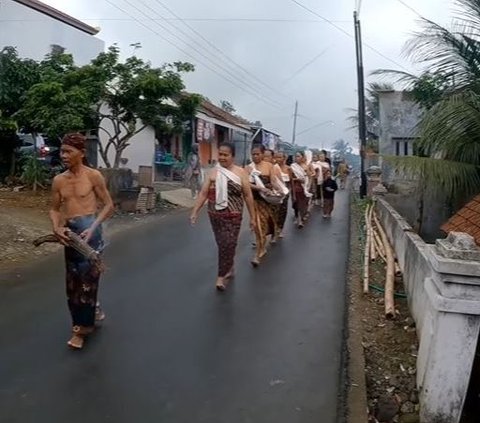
(452, 128)
(398, 77)
(454, 179)
(454, 53)
(467, 12)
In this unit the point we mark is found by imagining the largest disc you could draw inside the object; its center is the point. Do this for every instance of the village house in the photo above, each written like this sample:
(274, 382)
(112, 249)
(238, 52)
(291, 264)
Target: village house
(399, 119)
(34, 28)
(167, 159)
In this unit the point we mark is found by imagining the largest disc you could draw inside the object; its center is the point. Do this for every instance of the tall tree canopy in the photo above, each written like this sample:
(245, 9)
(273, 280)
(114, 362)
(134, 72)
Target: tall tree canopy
(114, 98)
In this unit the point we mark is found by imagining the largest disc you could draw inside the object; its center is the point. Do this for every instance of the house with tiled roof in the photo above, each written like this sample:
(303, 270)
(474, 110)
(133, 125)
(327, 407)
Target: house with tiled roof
(165, 158)
(33, 28)
(466, 220)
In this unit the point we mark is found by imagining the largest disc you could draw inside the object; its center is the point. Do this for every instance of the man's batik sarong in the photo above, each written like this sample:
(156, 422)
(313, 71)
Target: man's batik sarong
(82, 275)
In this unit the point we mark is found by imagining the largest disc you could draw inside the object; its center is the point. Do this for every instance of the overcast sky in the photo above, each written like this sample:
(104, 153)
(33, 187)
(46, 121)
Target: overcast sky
(268, 50)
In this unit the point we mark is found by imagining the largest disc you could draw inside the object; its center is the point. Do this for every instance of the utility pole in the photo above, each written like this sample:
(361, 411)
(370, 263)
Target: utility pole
(295, 123)
(362, 125)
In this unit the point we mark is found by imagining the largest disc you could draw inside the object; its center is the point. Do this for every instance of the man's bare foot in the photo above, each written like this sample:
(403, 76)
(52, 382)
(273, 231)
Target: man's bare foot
(78, 336)
(220, 285)
(76, 342)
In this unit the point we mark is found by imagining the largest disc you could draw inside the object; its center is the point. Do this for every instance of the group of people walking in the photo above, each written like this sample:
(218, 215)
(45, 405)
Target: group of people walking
(81, 203)
(266, 186)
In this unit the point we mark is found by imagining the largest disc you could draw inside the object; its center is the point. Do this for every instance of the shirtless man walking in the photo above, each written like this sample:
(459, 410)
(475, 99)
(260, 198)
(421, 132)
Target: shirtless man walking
(78, 194)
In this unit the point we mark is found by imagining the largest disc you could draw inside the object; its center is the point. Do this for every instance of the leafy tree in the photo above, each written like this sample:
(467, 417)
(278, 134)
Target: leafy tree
(342, 148)
(34, 173)
(136, 95)
(17, 75)
(107, 96)
(8, 142)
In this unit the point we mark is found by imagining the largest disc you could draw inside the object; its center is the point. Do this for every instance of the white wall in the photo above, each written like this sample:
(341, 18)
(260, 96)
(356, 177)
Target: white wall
(444, 299)
(32, 33)
(399, 117)
(140, 152)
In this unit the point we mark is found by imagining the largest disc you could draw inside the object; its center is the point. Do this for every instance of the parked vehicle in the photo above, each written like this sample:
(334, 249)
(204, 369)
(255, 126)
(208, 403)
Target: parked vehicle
(47, 153)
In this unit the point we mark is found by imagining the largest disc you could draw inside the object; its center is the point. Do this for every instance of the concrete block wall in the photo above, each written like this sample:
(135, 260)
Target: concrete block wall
(444, 299)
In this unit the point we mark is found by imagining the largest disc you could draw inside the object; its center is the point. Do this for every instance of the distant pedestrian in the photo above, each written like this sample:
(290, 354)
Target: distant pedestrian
(329, 189)
(286, 177)
(226, 189)
(301, 188)
(80, 204)
(193, 174)
(261, 181)
(342, 172)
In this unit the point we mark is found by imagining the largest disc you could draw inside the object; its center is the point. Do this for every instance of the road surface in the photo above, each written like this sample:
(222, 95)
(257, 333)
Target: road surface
(173, 350)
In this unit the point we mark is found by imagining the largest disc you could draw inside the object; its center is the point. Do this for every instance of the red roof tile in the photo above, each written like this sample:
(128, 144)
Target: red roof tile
(466, 220)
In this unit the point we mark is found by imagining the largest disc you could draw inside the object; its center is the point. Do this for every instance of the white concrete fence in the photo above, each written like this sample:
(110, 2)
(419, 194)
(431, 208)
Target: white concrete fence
(443, 286)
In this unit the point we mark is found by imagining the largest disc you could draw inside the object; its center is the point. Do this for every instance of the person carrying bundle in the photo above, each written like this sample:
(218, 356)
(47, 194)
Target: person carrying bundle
(76, 196)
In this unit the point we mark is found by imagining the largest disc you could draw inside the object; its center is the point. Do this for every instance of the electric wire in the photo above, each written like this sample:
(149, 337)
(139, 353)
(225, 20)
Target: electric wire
(410, 8)
(221, 52)
(232, 82)
(339, 28)
(305, 66)
(214, 62)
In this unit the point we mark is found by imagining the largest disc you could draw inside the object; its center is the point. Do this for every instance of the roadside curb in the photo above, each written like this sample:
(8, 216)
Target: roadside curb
(356, 389)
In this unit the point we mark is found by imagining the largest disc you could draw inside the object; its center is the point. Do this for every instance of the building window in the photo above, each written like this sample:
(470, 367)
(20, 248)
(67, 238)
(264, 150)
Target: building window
(403, 146)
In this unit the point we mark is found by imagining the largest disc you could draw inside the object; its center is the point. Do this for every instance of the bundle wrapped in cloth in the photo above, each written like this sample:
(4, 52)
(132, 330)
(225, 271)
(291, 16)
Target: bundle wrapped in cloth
(78, 244)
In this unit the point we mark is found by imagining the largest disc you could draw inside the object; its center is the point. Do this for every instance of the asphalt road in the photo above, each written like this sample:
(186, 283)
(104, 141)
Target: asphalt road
(268, 350)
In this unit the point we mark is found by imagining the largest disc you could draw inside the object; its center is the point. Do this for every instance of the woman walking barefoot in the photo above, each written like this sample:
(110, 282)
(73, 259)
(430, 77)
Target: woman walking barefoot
(300, 187)
(261, 175)
(286, 177)
(226, 189)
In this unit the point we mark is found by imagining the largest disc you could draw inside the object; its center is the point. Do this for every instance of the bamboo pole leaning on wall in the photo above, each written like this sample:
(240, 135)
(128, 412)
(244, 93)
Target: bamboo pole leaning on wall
(390, 274)
(368, 241)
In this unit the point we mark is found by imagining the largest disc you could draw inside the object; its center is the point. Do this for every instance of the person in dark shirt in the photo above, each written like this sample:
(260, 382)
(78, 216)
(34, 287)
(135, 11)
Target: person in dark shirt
(329, 188)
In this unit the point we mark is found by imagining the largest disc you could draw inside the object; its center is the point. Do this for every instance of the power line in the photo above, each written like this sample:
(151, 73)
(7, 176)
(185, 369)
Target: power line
(224, 65)
(410, 8)
(305, 66)
(246, 89)
(238, 20)
(234, 83)
(194, 40)
(331, 122)
(222, 53)
(346, 33)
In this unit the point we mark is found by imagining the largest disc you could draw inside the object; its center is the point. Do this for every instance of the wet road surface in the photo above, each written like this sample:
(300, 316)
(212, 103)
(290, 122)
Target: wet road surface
(268, 350)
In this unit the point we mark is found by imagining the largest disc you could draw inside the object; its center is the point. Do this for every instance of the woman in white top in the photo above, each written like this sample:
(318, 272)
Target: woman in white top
(286, 176)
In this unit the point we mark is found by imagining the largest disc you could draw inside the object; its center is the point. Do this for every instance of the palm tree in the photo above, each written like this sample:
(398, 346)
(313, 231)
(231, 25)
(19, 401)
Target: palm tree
(449, 91)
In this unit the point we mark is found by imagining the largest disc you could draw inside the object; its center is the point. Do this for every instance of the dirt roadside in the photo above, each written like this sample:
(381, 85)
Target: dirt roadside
(24, 217)
(381, 353)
